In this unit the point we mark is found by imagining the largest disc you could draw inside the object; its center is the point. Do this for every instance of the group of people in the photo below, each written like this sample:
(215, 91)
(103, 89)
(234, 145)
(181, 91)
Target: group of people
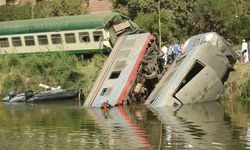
(170, 52)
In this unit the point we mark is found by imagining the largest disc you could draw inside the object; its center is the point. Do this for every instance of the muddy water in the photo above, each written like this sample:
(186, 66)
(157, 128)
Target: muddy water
(65, 125)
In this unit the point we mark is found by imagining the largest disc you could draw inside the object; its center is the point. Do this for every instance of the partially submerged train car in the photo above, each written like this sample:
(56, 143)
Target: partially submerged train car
(197, 75)
(130, 73)
(89, 33)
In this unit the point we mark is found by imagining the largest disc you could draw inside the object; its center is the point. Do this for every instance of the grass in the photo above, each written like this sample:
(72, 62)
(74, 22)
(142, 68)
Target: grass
(24, 73)
(238, 85)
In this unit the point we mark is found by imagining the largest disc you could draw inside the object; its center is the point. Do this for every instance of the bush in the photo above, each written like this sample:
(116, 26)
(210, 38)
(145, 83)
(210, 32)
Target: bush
(244, 94)
(53, 69)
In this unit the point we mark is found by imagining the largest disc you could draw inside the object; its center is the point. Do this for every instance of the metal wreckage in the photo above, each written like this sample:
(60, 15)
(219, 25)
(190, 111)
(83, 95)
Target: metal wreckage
(134, 72)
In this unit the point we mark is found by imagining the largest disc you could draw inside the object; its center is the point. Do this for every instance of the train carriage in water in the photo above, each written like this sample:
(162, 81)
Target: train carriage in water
(134, 72)
(89, 33)
(197, 75)
(133, 68)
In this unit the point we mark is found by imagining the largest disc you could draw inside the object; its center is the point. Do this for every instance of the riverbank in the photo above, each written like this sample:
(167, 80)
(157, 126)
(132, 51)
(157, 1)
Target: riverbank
(26, 73)
(237, 86)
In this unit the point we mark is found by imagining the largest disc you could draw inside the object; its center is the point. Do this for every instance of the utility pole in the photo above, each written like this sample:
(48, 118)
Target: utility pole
(32, 10)
(159, 21)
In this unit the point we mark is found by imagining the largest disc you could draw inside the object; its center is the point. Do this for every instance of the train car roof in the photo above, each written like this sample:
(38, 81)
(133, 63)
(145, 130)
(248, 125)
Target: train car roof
(87, 21)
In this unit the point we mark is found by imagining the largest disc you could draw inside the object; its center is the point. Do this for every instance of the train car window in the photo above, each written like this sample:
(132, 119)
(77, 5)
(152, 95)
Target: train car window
(97, 35)
(115, 74)
(16, 41)
(56, 39)
(29, 40)
(84, 37)
(106, 91)
(70, 38)
(42, 39)
(4, 42)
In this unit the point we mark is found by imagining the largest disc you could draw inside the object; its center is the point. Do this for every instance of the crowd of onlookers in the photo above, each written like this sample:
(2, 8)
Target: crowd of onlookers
(170, 52)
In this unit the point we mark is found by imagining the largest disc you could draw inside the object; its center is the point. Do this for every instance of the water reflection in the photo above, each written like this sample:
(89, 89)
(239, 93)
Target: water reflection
(46, 126)
(64, 125)
(197, 126)
(121, 128)
(240, 120)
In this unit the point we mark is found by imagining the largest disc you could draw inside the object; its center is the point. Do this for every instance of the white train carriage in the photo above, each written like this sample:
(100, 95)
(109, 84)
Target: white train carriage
(131, 66)
(197, 75)
(88, 33)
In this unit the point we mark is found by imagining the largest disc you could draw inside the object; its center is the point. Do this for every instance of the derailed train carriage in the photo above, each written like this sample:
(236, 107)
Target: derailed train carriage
(197, 75)
(130, 73)
(134, 71)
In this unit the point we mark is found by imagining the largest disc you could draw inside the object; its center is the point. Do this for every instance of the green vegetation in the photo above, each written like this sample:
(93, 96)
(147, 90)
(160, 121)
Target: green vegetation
(238, 84)
(244, 94)
(43, 9)
(48, 8)
(181, 19)
(15, 12)
(23, 73)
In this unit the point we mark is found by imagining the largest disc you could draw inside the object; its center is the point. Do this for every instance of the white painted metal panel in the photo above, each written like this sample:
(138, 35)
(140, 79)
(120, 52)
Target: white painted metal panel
(205, 86)
(123, 60)
(213, 53)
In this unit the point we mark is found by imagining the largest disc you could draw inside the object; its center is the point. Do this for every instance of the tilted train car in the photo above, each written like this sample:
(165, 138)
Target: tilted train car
(130, 73)
(197, 75)
(73, 34)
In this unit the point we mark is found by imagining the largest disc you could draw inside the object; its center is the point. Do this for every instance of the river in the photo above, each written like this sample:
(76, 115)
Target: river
(66, 125)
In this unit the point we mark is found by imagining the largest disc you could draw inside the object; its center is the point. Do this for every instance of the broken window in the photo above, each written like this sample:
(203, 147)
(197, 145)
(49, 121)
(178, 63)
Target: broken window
(106, 91)
(97, 35)
(115, 75)
(197, 67)
(84, 37)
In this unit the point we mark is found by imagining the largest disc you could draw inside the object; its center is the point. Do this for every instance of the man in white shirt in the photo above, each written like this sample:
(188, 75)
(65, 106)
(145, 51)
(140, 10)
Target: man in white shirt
(164, 49)
(244, 49)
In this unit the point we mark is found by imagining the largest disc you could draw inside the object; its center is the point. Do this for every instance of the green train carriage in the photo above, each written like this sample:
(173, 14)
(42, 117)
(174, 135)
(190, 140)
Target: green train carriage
(81, 34)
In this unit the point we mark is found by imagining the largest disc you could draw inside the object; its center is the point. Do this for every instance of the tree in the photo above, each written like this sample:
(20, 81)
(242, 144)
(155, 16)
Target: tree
(15, 12)
(45, 8)
(239, 29)
(173, 15)
(132, 8)
(149, 23)
(210, 15)
(53, 8)
(188, 17)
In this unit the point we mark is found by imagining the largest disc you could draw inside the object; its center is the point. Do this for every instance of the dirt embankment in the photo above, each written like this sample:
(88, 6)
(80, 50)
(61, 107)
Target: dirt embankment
(236, 81)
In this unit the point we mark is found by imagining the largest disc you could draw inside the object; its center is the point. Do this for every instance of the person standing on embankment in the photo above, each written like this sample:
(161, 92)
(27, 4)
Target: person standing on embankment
(244, 50)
